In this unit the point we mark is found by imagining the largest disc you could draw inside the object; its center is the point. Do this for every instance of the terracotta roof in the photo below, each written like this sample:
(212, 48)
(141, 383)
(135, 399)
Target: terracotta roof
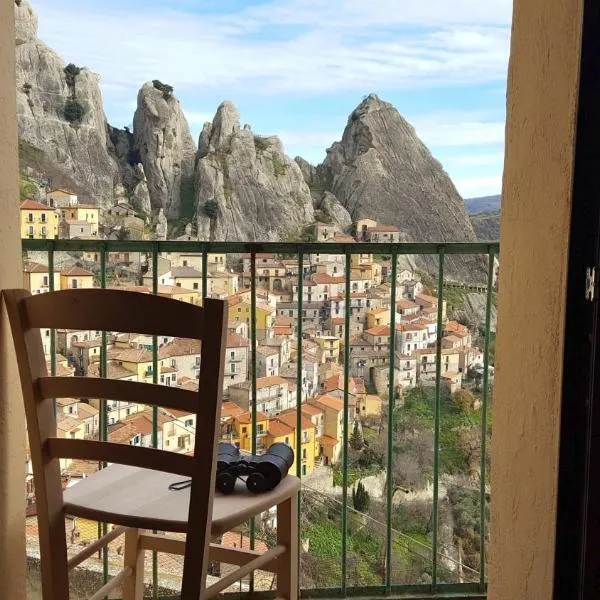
(278, 428)
(34, 267)
(64, 423)
(378, 311)
(34, 205)
(327, 440)
(77, 272)
(113, 371)
(323, 278)
(379, 330)
(246, 417)
(122, 433)
(267, 350)
(355, 384)
(76, 222)
(263, 382)
(236, 341)
(311, 410)
(289, 417)
(427, 298)
(230, 409)
(134, 355)
(404, 303)
(328, 401)
(180, 347)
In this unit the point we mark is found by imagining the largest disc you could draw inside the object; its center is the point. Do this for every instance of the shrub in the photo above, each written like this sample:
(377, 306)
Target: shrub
(360, 498)
(211, 209)
(357, 441)
(73, 110)
(261, 144)
(279, 167)
(71, 71)
(167, 90)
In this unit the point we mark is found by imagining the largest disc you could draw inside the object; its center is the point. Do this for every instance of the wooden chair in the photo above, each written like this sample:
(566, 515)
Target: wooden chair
(133, 492)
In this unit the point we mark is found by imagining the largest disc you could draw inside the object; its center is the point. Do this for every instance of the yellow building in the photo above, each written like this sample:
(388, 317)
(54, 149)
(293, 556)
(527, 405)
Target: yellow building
(239, 310)
(242, 431)
(38, 221)
(330, 441)
(82, 212)
(359, 260)
(308, 447)
(76, 278)
(36, 278)
(330, 348)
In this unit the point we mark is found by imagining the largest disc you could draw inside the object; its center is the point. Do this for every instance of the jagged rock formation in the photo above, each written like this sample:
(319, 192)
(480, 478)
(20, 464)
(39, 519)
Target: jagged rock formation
(162, 137)
(486, 225)
(331, 206)
(247, 189)
(382, 170)
(78, 150)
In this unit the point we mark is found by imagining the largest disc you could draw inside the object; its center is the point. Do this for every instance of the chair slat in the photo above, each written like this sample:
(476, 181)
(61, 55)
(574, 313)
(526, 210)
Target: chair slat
(114, 310)
(123, 454)
(116, 389)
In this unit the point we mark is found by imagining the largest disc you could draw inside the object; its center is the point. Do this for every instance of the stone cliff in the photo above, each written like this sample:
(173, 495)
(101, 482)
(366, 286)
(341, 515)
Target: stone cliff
(246, 187)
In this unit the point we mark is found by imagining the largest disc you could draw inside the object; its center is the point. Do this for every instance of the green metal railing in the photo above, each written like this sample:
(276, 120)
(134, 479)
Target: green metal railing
(438, 582)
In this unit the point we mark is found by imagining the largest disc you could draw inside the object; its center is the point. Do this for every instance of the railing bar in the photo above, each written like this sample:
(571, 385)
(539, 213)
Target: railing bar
(102, 527)
(400, 248)
(484, 411)
(155, 250)
(52, 331)
(347, 308)
(204, 274)
(436, 438)
(253, 369)
(299, 389)
(390, 454)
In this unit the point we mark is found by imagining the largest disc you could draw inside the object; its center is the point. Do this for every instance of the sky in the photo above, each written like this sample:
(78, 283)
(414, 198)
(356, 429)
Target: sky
(297, 68)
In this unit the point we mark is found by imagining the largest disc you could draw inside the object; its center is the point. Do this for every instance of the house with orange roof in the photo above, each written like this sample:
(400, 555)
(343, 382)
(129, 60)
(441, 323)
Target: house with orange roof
(36, 278)
(388, 234)
(411, 337)
(76, 278)
(38, 221)
(308, 449)
(267, 361)
(330, 441)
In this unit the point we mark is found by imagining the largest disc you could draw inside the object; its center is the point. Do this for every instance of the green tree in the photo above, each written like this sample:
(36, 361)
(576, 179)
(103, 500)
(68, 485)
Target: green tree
(357, 440)
(27, 188)
(464, 399)
(73, 110)
(360, 498)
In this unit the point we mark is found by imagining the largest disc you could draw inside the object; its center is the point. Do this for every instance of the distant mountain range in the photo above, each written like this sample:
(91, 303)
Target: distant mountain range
(483, 204)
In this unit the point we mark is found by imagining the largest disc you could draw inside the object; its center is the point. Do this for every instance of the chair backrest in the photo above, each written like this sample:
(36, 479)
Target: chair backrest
(126, 312)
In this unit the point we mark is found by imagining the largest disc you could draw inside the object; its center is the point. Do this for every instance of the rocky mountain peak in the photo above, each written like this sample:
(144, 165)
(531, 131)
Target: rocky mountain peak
(162, 138)
(225, 124)
(381, 169)
(26, 22)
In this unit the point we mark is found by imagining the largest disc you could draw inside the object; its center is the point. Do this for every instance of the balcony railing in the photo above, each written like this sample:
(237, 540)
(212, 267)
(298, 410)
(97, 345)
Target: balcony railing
(421, 453)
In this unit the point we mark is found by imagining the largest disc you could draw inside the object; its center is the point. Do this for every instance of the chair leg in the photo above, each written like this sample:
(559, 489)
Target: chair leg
(133, 588)
(287, 535)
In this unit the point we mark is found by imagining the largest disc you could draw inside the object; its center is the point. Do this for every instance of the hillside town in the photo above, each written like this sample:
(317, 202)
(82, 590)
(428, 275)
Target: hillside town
(322, 323)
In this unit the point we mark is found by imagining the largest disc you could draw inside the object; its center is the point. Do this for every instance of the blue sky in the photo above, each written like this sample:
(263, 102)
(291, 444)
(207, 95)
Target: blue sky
(297, 68)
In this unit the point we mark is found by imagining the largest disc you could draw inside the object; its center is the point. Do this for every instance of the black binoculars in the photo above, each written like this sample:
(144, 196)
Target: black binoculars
(262, 473)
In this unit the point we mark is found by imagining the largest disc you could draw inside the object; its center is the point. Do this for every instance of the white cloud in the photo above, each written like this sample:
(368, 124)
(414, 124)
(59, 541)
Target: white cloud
(338, 46)
(198, 118)
(458, 129)
(472, 187)
(476, 160)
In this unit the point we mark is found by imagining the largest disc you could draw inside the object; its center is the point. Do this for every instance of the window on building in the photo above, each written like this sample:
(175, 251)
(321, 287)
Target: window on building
(233, 367)
(189, 422)
(287, 441)
(195, 286)
(244, 429)
(74, 283)
(185, 263)
(30, 217)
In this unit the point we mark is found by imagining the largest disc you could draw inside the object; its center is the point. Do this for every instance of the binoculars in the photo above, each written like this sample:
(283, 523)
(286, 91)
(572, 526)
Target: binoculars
(262, 473)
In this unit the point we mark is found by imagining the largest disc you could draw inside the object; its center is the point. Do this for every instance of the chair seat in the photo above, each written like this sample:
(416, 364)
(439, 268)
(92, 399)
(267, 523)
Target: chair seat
(137, 497)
